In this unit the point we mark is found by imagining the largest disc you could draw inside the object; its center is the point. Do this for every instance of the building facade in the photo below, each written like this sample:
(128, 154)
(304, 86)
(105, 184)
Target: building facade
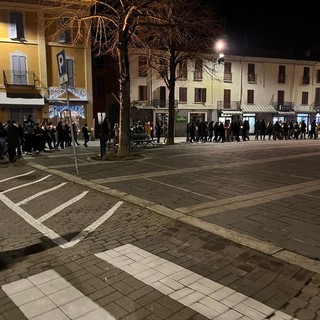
(30, 78)
(239, 88)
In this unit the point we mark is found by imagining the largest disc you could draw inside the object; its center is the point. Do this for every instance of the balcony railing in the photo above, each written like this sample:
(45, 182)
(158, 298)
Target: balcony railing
(162, 103)
(252, 78)
(232, 105)
(284, 106)
(19, 78)
(197, 75)
(227, 77)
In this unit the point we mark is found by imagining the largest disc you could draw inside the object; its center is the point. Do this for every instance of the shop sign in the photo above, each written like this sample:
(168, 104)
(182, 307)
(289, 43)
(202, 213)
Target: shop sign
(181, 118)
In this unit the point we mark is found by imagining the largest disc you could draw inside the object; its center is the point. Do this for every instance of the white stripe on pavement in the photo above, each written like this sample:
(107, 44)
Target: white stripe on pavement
(18, 176)
(203, 295)
(48, 296)
(24, 201)
(27, 184)
(62, 206)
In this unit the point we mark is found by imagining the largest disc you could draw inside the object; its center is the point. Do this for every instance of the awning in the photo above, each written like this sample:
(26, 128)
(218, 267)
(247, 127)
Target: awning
(230, 112)
(286, 113)
(304, 109)
(258, 109)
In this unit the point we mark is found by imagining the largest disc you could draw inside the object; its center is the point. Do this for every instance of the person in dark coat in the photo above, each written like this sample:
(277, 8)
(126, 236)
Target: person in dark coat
(12, 139)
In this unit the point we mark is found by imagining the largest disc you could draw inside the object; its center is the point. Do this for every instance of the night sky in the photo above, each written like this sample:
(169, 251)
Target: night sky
(270, 26)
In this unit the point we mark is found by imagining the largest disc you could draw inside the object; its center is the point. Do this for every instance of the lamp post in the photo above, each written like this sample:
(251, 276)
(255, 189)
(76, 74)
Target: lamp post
(103, 152)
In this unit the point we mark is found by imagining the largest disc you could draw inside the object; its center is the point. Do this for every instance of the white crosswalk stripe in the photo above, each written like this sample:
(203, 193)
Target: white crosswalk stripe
(203, 295)
(47, 296)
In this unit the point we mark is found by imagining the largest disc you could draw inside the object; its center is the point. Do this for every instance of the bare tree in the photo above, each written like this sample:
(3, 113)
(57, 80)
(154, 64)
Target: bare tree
(114, 26)
(187, 32)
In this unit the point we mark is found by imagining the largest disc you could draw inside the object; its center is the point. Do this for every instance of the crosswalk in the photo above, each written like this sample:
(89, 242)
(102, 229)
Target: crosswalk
(48, 296)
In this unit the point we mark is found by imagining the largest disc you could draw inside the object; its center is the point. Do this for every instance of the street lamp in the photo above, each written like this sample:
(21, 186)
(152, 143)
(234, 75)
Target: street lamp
(220, 46)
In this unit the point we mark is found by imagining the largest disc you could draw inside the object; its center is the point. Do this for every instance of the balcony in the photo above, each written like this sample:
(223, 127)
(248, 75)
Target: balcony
(19, 78)
(227, 77)
(21, 84)
(162, 103)
(231, 105)
(284, 106)
(252, 78)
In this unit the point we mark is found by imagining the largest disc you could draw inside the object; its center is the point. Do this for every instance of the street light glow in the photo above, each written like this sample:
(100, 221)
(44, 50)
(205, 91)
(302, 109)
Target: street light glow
(220, 45)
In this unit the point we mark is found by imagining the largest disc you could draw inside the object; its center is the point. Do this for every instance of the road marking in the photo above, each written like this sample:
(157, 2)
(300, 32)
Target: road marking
(56, 238)
(203, 295)
(26, 184)
(24, 201)
(18, 176)
(182, 189)
(47, 295)
(62, 206)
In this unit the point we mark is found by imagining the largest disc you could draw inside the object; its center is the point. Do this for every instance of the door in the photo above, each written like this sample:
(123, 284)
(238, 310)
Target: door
(19, 69)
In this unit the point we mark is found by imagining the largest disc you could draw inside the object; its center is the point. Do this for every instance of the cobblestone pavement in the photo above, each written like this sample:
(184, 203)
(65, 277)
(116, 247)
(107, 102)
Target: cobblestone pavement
(190, 231)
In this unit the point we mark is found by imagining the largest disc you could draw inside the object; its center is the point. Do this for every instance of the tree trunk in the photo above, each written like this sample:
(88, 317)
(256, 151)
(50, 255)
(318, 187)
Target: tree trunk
(172, 111)
(124, 124)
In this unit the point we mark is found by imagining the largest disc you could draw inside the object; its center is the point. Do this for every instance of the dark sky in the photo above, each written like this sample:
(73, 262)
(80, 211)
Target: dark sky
(271, 25)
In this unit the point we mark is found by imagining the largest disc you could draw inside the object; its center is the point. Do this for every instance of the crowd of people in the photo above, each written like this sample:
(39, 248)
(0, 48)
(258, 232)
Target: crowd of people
(237, 130)
(33, 137)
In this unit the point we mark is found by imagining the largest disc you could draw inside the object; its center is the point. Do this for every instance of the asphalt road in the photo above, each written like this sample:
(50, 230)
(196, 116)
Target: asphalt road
(190, 231)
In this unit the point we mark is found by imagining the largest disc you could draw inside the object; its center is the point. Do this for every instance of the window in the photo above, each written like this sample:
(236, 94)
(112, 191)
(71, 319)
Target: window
(162, 67)
(250, 96)
(183, 94)
(251, 73)
(227, 98)
(183, 70)
(65, 32)
(282, 74)
(143, 66)
(318, 76)
(198, 70)
(317, 97)
(227, 75)
(306, 75)
(16, 27)
(280, 97)
(200, 95)
(305, 97)
(143, 93)
(19, 69)
(70, 71)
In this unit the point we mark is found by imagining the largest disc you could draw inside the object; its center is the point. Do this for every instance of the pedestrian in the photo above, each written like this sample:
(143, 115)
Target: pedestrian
(85, 132)
(116, 133)
(12, 139)
(158, 131)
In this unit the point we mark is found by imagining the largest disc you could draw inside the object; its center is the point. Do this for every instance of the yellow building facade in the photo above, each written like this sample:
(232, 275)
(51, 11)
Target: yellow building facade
(30, 80)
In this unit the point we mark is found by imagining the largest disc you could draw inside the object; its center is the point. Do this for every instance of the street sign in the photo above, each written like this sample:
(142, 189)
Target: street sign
(62, 67)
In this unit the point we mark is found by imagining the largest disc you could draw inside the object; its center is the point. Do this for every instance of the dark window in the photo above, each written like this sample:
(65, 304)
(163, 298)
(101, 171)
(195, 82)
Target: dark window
(70, 71)
(162, 67)
(65, 32)
(318, 76)
(306, 75)
(282, 74)
(251, 73)
(143, 93)
(198, 70)
(227, 98)
(280, 97)
(317, 98)
(250, 96)
(305, 97)
(183, 94)
(183, 70)
(227, 74)
(17, 25)
(200, 95)
(143, 66)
